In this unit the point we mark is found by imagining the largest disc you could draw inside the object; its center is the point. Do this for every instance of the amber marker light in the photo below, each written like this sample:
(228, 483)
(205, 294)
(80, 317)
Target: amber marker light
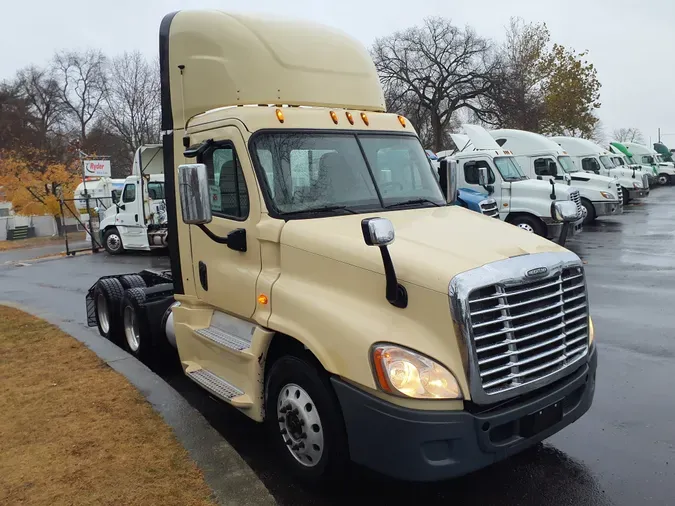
(364, 117)
(262, 299)
(401, 120)
(378, 355)
(350, 118)
(280, 115)
(334, 117)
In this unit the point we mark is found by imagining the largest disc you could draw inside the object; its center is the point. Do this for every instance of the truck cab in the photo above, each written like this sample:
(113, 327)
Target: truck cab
(541, 158)
(522, 201)
(593, 159)
(323, 286)
(646, 156)
(137, 219)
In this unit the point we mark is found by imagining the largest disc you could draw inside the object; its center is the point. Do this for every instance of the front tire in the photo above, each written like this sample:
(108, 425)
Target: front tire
(529, 224)
(590, 211)
(664, 179)
(304, 421)
(626, 199)
(112, 242)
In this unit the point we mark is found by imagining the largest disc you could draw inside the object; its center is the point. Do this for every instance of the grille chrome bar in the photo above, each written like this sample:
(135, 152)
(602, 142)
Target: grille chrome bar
(522, 332)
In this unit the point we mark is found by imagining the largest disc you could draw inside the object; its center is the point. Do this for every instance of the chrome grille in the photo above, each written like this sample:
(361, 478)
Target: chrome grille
(576, 198)
(619, 192)
(645, 180)
(489, 208)
(525, 331)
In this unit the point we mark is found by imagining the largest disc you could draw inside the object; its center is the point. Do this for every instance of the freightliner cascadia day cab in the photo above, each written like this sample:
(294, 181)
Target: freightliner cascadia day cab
(592, 158)
(137, 221)
(523, 202)
(541, 158)
(646, 156)
(360, 318)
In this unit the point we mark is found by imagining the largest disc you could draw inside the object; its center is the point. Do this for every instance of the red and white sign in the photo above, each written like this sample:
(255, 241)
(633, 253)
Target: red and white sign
(97, 168)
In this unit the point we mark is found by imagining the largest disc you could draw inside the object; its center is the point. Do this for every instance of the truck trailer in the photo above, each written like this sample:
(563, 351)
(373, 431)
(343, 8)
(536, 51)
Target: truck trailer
(359, 317)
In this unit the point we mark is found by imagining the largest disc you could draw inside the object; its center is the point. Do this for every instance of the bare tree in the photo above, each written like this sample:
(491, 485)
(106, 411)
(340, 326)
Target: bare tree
(628, 135)
(439, 67)
(598, 136)
(132, 102)
(42, 95)
(82, 81)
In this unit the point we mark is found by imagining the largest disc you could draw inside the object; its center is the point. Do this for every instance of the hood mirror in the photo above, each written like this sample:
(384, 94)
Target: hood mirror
(193, 188)
(447, 178)
(380, 232)
(483, 176)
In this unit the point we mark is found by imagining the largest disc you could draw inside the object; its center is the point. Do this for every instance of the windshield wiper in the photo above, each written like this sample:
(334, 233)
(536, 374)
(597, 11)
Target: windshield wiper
(323, 209)
(413, 202)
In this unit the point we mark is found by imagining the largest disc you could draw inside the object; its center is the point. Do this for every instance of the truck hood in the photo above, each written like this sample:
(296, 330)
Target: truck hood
(591, 180)
(432, 245)
(540, 188)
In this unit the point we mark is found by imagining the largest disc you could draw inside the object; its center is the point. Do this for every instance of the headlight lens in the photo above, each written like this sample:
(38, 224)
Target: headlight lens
(402, 371)
(591, 331)
(608, 195)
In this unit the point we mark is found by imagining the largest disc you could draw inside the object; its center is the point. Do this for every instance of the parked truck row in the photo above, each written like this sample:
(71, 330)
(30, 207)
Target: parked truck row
(327, 282)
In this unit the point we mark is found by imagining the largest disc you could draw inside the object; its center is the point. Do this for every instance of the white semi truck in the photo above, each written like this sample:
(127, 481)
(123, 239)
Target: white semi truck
(543, 159)
(594, 159)
(646, 156)
(138, 220)
(523, 202)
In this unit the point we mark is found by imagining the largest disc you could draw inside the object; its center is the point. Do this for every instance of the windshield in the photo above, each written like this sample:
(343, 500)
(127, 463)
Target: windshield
(328, 172)
(607, 162)
(567, 164)
(648, 159)
(509, 168)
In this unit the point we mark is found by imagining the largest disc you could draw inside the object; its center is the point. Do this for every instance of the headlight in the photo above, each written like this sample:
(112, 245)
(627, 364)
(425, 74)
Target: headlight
(564, 210)
(637, 186)
(608, 195)
(402, 371)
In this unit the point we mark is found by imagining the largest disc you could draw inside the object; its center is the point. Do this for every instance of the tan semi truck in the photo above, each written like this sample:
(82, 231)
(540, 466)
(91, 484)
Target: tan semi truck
(463, 341)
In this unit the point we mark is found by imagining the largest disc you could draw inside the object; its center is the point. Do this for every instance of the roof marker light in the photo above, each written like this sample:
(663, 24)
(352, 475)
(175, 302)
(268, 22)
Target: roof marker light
(401, 120)
(334, 117)
(280, 115)
(364, 117)
(350, 118)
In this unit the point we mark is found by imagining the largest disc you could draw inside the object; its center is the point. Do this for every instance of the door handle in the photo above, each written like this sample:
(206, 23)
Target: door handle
(136, 217)
(203, 276)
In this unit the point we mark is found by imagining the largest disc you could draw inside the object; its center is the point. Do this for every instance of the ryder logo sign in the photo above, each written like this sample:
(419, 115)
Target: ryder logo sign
(97, 168)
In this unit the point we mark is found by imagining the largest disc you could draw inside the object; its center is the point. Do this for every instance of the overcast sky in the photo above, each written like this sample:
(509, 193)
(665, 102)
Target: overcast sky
(631, 42)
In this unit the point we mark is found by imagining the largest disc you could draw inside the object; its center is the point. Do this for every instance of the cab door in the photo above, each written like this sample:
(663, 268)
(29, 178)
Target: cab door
(129, 219)
(225, 274)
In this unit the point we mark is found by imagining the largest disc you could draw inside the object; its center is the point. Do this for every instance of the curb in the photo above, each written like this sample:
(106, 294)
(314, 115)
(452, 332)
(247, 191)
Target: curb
(230, 478)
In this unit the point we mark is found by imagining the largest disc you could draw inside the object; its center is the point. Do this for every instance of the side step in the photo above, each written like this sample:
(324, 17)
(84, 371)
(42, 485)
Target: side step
(223, 338)
(221, 388)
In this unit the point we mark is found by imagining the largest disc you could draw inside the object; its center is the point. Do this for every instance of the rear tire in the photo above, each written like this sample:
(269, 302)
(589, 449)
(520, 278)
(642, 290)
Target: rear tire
(664, 179)
(529, 224)
(109, 293)
(590, 211)
(112, 242)
(310, 437)
(132, 281)
(136, 332)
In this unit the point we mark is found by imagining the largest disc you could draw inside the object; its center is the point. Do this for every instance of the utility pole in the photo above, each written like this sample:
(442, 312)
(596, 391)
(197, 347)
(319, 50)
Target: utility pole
(659, 135)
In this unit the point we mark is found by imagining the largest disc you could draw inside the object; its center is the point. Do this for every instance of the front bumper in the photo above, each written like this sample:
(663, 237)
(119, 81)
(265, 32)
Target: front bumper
(555, 229)
(637, 193)
(607, 208)
(416, 445)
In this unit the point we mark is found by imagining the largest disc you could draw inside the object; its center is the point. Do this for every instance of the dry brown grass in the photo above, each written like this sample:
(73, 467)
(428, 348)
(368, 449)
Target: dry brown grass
(35, 242)
(73, 431)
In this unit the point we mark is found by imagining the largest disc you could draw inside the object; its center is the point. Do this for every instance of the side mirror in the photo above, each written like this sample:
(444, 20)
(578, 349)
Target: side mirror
(380, 232)
(483, 176)
(564, 211)
(447, 173)
(193, 188)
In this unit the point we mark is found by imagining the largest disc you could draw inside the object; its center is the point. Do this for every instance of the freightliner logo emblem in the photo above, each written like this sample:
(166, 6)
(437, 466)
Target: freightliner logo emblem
(539, 271)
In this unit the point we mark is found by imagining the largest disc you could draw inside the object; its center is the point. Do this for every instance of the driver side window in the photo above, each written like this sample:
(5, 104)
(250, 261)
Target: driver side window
(590, 165)
(471, 171)
(544, 167)
(129, 194)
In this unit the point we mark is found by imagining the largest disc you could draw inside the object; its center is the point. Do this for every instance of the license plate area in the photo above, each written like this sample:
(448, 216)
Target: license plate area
(541, 419)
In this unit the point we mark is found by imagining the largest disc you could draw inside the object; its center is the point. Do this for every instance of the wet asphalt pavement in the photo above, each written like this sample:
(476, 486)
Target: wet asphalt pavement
(621, 452)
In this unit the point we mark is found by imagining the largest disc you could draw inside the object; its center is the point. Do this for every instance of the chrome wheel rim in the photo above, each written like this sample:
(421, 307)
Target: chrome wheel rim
(102, 311)
(131, 328)
(300, 425)
(526, 226)
(114, 242)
